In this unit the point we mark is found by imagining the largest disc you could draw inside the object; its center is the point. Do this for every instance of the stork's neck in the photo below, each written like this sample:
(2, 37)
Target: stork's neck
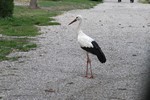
(79, 26)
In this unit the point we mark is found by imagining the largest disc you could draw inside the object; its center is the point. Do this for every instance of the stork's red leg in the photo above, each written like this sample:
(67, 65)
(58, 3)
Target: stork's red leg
(89, 61)
(91, 70)
(87, 67)
(86, 70)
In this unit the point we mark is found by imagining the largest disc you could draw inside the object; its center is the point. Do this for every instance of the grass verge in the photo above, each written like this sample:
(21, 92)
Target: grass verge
(65, 5)
(8, 46)
(24, 21)
(144, 1)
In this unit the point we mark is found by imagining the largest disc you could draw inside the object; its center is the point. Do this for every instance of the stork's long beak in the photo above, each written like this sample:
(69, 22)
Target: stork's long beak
(72, 21)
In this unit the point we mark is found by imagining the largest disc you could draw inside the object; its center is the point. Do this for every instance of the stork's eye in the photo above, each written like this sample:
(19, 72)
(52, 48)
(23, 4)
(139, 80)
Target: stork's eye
(76, 17)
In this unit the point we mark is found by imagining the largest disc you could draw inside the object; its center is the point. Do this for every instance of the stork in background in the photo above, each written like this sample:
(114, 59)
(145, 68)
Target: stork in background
(89, 45)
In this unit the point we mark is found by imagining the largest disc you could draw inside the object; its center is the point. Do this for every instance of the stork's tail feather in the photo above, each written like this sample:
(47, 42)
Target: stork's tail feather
(101, 57)
(99, 52)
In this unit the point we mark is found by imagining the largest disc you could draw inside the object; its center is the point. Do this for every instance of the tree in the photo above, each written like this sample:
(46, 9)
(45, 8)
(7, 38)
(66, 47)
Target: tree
(6, 8)
(33, 4)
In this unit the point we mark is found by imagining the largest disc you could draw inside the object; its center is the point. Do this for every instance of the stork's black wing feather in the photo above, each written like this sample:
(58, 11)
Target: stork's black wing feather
(96, 50)
(99, 52)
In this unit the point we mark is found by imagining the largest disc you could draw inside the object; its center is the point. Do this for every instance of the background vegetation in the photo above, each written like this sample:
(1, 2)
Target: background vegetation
(144, 1)
(6, 8)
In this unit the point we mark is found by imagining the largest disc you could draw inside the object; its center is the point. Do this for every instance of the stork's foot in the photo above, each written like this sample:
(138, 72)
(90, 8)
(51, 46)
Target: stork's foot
(85, 76)
(91, 77)
(88, 76)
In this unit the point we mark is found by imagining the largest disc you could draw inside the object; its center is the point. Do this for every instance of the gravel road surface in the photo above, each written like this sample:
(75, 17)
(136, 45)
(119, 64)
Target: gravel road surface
(55, 70)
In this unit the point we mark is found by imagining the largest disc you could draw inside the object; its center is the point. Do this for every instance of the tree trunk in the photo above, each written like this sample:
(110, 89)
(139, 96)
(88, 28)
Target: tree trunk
(33, 4)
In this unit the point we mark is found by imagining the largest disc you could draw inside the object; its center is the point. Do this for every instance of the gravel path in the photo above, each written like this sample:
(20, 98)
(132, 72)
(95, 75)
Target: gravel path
(54, 71)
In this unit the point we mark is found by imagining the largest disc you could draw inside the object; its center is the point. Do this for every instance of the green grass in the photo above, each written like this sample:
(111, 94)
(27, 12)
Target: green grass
(22, 24)
(144, 1)
(8, 46)
(65, 5)
(25, 20)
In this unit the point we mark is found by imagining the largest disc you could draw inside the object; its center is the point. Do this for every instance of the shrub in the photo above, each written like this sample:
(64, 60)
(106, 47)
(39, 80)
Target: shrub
(6, 8)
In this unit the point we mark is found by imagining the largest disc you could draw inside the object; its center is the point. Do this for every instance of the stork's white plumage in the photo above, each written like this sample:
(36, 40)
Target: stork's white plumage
(89, 45)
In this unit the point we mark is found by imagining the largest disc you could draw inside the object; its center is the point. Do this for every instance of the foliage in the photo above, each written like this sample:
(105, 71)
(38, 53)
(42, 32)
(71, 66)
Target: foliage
(6, 8)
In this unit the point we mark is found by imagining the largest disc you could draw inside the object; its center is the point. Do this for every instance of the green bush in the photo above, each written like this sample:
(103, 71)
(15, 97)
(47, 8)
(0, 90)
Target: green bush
(6, 8)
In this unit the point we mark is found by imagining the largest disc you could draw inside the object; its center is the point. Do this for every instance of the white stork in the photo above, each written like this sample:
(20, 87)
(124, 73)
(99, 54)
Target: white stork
(89, 45)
